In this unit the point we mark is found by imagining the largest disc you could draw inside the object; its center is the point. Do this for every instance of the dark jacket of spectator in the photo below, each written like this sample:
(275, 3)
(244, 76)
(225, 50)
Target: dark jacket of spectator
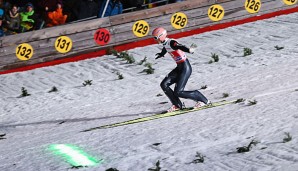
(13, 19)
(86, 9)
(69, 8)
(114, 7)
(132, 3)
(1, 22)
(1, 4)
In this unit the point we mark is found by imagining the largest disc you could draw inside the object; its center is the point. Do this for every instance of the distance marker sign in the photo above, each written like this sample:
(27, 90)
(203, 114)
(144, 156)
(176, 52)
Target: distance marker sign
(140, 28)
(102, 36)
(290, 2)
(179, 20)
(253, 6)
(24, 51)
(216, 12)
(63, 44)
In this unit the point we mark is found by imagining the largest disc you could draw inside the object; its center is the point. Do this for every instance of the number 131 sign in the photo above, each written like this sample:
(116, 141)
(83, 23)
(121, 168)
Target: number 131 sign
(63, 44)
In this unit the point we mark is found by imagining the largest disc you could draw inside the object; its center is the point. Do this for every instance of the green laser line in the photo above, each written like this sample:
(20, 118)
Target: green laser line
(74, 155)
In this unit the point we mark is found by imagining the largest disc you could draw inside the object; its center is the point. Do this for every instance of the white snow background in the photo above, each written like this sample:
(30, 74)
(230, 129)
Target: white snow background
(268, 76)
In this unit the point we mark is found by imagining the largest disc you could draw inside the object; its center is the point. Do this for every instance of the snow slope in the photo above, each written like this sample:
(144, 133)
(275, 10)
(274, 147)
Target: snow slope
(269, 76)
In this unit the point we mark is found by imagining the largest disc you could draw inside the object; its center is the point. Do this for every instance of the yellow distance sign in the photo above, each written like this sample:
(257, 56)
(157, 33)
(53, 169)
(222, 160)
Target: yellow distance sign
(63, 44)
(179, 20)
(24, 51)
(253, 6)
(140, 28)
(290, 2)
(216, 12)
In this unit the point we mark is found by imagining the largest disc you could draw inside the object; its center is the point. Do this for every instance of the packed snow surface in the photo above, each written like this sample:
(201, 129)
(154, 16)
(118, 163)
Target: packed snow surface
(268, 77)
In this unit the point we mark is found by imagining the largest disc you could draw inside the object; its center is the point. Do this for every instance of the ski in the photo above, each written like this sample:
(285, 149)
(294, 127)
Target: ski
(161, 115)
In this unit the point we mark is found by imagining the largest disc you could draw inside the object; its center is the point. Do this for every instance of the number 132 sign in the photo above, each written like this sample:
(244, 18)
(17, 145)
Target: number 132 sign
(24, 51)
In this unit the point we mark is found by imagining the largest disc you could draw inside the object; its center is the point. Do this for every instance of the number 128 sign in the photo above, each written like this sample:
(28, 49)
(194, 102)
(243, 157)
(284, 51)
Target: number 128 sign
(179, 20)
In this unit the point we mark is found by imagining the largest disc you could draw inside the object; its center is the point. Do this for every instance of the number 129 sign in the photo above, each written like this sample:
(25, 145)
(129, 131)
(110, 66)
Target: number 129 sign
(140, 28)
(102, 36)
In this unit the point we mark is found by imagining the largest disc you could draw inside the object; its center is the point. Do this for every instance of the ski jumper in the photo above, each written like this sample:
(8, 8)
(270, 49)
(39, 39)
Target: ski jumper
(179, 75)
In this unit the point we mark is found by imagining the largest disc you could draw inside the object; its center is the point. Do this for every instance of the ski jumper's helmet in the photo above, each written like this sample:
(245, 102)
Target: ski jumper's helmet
(159, 34)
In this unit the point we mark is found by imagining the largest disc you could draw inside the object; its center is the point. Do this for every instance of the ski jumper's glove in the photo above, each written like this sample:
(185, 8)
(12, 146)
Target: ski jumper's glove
(161, 54)
(192, 48)
(175, 45)
(158, 55)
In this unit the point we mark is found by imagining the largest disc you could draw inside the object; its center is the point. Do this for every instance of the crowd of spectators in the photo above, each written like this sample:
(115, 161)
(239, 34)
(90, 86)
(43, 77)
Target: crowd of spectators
(17, 16)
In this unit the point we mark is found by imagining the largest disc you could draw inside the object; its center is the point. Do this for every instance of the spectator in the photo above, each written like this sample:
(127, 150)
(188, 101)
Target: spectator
(56, 17)
(13, 20)
(152, 3)
(114, 7)
(28, 18)
(49, 5)
(173, 1)
(133, 3)
(69, 8)
(1, 21)
(86, 9)
(22, 4)
(45, 6)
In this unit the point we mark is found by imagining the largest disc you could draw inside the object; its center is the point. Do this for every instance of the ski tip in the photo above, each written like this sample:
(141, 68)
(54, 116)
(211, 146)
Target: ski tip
(86, 130)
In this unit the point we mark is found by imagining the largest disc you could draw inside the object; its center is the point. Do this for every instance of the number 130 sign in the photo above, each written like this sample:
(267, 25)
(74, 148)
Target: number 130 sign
(102, 36)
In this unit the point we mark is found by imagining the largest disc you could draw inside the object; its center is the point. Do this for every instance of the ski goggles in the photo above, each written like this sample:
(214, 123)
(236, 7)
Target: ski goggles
(157, 37)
